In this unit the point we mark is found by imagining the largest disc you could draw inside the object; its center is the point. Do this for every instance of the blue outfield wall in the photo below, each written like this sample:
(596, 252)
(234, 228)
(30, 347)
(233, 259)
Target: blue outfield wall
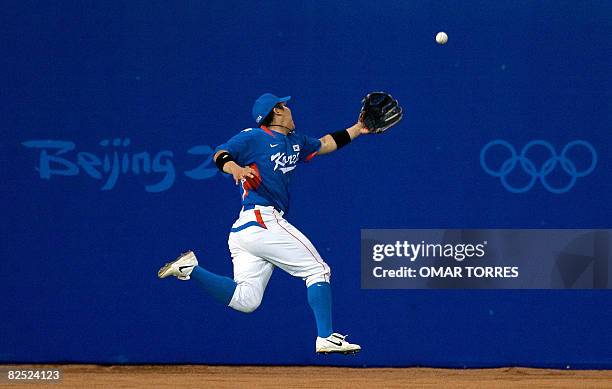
(90, 88)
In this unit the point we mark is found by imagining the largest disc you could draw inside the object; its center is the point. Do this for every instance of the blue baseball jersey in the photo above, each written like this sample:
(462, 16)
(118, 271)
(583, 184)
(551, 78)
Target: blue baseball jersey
(274, 156)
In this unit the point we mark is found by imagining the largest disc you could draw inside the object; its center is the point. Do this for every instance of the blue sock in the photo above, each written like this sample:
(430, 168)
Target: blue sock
(221, 288)
(319, 298)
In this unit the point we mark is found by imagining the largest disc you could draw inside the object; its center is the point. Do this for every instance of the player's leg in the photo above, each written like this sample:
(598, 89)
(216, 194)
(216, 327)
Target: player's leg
(251, 275)
(299, 257)
(320, 301)
(286, 247)
(244, 293)
(221, 288)
(186, 267)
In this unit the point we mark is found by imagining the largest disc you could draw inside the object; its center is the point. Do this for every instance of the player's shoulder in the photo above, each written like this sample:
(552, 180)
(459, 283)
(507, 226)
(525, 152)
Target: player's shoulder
(247, 133)
(302, 137)
(297, 134)
(252, 137)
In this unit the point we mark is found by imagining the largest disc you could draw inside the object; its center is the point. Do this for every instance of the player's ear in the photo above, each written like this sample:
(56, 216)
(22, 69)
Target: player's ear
(278, 110)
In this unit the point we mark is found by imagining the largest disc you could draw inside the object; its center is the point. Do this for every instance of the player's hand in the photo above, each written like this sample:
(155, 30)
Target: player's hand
(240, 173)
(363, 130)
(379, 112)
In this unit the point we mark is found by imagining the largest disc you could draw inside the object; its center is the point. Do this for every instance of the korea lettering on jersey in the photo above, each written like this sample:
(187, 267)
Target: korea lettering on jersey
(273, 156)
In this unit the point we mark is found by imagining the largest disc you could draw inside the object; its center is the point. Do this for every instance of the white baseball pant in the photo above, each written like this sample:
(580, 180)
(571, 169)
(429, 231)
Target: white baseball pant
(262, 239)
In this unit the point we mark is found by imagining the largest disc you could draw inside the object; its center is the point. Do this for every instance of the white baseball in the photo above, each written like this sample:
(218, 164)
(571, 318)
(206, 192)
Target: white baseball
(441, 37)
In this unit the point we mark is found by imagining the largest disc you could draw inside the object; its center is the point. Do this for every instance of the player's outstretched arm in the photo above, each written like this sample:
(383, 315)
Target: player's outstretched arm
(336, 140)
(226, 163)
(379, 112)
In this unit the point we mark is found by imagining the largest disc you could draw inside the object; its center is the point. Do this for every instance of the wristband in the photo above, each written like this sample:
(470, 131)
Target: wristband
(342, 138)
(222, 159)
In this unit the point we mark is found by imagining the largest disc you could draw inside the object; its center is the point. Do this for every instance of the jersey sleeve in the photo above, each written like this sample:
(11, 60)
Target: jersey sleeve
(239, 146)
(310, 147)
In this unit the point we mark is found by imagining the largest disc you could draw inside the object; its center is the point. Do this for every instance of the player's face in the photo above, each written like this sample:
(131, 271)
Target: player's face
(285, 116)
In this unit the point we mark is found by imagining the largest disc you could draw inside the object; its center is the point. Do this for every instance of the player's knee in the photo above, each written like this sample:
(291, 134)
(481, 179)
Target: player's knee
(322, 276)
(251, 305)
(248, 298)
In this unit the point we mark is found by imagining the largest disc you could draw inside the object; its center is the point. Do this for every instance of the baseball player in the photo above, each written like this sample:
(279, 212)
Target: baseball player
(262, 160)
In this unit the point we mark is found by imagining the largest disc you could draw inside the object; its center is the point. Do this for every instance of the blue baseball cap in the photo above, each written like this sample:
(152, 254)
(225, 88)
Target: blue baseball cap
(264, 104)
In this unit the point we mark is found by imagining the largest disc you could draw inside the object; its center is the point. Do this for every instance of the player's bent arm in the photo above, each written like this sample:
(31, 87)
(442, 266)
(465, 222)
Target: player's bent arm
(329, 142)
(226, 164)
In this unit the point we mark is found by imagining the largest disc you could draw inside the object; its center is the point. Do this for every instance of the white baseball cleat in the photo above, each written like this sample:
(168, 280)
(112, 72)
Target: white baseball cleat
(181, 267)
(336, 343)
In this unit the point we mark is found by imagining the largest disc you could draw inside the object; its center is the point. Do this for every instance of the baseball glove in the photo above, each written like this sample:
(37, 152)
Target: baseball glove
(379, 112)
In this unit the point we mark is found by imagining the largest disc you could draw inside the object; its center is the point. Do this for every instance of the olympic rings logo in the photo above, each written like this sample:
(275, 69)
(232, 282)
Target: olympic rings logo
(548, 166)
